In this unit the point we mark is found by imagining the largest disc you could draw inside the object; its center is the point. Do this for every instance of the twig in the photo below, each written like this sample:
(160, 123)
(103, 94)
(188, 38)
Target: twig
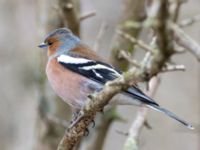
(189, 21)
(176, 5)
(127, 56)
(99, 36)
(169, 68)
(135, 41)
(186, 41)
(87, 15)
(178, 49)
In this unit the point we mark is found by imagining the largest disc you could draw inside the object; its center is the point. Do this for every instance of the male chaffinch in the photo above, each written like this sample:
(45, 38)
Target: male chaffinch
(75, 71)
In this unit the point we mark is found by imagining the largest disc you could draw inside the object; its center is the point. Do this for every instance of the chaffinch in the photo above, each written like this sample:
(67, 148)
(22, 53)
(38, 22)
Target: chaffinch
(75, 71)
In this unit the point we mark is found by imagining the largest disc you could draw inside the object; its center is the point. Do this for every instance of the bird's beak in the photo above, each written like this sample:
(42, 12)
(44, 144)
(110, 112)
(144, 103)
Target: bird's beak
(43, 45)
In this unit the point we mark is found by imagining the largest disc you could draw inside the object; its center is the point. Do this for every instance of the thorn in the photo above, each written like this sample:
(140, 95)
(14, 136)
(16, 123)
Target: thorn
(87, 15)
(146, 124)
(169, 68)
(122, 132)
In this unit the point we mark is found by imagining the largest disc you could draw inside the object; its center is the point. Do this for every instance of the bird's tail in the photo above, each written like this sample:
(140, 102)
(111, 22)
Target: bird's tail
(171, 115)
(136, 93)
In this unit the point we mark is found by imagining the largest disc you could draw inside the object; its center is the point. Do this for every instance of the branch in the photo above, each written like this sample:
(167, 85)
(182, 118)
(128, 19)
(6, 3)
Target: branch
(140, 43)
(186, 41)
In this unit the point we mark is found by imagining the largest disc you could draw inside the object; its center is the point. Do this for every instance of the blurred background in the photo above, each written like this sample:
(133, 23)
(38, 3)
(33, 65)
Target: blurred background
(22, 29)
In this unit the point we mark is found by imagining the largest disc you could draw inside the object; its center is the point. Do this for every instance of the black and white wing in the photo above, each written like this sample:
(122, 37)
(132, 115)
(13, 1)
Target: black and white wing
(94, 70)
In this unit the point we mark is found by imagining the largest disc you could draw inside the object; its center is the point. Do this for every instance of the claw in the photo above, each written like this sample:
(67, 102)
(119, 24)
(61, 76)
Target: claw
(101, 111)
(86, 133)
(93, 124)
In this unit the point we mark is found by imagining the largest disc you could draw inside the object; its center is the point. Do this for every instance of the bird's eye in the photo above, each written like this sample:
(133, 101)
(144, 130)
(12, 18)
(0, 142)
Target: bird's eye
(50, 43)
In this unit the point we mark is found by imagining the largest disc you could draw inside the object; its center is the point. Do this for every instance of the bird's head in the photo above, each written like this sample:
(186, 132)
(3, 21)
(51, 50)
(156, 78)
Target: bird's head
(60, 41)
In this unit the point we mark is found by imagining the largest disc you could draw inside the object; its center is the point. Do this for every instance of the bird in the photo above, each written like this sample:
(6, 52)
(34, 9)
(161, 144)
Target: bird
(75, 71)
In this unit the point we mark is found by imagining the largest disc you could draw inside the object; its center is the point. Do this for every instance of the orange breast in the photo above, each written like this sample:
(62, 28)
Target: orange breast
(67, 84)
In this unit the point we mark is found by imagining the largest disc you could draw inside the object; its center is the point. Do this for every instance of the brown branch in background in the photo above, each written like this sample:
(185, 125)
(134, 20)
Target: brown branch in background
(189, 21)
(69, 14)
(186, 41)
(139, 121)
